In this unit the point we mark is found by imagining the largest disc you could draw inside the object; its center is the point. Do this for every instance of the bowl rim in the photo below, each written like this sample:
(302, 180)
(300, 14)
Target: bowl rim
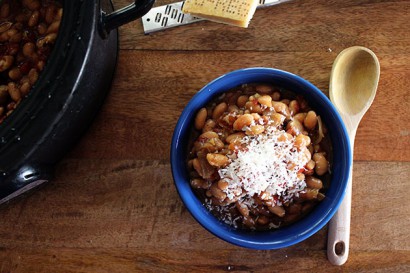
(231, 235)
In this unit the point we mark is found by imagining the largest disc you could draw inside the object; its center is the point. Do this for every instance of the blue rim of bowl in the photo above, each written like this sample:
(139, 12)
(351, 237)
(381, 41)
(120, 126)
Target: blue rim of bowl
(231, 235)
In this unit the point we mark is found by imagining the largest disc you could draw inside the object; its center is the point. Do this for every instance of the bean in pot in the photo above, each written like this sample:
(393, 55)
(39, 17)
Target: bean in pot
(28, 31)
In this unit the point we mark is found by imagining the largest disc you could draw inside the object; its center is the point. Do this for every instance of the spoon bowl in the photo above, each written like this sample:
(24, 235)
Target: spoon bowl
(353, 84)
(354, 80)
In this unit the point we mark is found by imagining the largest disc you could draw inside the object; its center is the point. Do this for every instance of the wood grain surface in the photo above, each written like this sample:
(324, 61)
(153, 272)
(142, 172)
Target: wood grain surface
(112, 206)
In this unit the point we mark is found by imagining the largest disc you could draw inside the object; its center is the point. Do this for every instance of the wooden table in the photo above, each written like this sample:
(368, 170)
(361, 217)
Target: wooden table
(113, 207)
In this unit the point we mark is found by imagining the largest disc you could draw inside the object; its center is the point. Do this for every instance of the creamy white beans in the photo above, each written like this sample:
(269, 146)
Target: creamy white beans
(259, 157)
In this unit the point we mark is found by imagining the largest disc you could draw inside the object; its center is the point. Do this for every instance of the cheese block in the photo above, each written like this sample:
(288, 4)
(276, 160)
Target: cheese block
(233, 12)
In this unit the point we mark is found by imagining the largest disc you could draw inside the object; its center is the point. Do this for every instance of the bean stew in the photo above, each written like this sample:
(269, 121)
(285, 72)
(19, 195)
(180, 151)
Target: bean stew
(260, 157)
(28, 31)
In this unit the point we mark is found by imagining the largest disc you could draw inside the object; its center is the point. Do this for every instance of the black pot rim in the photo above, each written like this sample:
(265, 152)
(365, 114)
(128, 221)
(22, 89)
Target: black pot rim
(63, 102)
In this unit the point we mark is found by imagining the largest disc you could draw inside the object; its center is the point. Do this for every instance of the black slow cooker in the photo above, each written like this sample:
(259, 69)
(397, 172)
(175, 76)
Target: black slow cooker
(66, 97)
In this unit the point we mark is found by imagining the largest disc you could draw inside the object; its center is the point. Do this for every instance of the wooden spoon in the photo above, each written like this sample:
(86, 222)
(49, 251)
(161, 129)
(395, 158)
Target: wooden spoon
(353, 84)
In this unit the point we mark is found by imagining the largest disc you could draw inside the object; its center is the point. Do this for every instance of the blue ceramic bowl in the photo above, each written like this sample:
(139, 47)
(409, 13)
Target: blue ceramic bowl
(342, 160)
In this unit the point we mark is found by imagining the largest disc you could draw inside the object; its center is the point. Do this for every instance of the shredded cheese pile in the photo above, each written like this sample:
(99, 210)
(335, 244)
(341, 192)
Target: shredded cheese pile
(265, 167)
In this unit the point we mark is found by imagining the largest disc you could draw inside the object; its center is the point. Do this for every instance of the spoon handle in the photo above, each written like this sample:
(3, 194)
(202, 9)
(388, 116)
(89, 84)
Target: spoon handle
(339, 229)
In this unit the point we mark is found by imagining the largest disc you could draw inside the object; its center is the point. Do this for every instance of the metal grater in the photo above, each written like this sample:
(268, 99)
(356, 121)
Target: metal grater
(171, 15)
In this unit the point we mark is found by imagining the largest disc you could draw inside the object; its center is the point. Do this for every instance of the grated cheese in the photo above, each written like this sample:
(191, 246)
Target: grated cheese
(263, 168)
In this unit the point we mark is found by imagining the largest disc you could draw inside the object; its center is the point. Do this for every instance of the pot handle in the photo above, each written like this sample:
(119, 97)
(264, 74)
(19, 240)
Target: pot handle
(125, 15)
(24, 179)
